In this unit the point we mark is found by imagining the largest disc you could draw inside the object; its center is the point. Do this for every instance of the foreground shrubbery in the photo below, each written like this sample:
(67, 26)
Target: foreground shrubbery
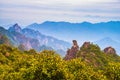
(47, 65)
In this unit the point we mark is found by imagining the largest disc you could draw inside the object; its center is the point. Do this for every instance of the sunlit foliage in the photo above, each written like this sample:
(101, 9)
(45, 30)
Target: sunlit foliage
(47, 65)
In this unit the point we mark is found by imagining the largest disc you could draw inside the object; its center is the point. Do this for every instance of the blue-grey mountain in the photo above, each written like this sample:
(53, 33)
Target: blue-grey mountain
(82, 32)
(79, 31)
(105, 42)
(33, 39)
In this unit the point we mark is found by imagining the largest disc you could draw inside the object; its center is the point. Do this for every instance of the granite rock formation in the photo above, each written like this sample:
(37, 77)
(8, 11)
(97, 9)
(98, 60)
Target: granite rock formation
(71, 53)
(109, 50)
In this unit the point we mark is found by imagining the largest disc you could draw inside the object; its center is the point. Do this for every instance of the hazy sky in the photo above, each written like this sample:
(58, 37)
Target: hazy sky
(26, 12)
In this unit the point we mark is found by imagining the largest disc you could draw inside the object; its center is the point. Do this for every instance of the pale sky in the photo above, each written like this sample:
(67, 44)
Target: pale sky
(26, 12)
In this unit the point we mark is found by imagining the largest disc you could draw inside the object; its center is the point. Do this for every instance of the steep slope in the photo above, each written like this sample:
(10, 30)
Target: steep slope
(17, 38)
(34, 39)
(8, 35)
(26, 41)
(4, 40)
(46, 40)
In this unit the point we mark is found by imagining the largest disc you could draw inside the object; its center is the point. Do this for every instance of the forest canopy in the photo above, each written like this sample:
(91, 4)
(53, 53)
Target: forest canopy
(48, 65)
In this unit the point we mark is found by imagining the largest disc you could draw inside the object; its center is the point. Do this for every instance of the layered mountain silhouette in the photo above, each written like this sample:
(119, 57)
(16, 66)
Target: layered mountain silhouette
(33, 35)
(79, 31)
(82, 32)
(33, 39)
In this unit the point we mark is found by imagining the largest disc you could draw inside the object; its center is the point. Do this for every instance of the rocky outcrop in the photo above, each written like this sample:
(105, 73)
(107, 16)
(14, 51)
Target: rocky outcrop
(71, 53)
(109, 50)
(86, 44)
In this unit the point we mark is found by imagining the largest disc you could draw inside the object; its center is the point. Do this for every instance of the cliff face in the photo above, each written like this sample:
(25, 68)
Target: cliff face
(71, 53)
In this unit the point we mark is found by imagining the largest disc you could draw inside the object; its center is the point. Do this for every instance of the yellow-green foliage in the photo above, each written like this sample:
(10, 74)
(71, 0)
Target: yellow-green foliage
(113, 71)
(93, 56)
(47, 65)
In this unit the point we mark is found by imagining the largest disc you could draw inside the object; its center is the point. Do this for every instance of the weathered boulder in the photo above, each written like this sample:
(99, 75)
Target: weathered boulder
(109, 50)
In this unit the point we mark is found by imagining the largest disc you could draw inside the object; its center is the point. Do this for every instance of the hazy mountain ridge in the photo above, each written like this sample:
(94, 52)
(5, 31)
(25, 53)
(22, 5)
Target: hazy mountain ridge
(46, 40)
(82, 32)
(105, 42)
(17, 38)
(57, 29)
(33, 39)
(68, 31)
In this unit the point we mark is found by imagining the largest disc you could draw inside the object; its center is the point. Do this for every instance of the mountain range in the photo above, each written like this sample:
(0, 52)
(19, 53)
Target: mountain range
(33, 39)
(79, 31)
(103, 33)
(60, 34)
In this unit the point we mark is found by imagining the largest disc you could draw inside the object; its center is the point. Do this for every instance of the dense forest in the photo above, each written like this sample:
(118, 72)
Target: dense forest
(94, 64)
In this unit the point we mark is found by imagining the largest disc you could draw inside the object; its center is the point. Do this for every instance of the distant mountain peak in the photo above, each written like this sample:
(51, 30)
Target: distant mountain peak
(55, 22)
(15, 28)
(108, 39)
(16, 24)
(35, 24)
(85, 22)
(30, 31)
